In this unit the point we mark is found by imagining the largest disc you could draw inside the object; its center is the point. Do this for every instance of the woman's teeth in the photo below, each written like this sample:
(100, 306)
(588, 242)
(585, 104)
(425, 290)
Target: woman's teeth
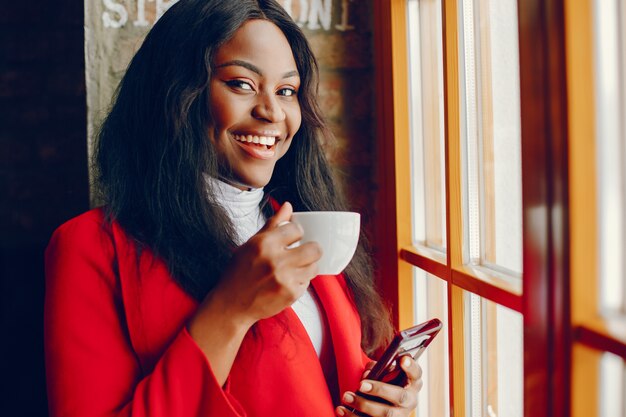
(261, 140)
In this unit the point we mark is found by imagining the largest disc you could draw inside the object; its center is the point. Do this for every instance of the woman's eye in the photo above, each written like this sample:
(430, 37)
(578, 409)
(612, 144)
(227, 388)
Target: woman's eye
(287, 92)
(241, 85)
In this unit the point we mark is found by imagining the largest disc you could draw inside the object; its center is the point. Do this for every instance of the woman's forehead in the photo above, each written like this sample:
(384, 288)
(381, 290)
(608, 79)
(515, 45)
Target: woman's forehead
(261, 44)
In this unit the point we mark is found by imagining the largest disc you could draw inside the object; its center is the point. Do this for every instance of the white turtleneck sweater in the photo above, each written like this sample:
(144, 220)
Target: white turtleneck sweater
(245, 213)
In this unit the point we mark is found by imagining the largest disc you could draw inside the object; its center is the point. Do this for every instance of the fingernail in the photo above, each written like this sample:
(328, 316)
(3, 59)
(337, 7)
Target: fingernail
(366, 373)
(365, 387)
(340, 411)
(406, 362)
(348, 398)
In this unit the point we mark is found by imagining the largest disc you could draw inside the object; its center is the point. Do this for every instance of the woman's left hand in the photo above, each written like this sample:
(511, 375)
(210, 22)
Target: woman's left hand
(403, 399)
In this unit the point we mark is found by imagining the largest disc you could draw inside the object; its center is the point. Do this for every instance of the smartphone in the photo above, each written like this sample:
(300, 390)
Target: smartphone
(412, 341)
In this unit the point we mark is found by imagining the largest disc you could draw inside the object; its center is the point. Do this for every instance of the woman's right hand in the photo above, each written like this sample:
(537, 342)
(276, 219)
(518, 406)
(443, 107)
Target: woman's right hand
(265, 276)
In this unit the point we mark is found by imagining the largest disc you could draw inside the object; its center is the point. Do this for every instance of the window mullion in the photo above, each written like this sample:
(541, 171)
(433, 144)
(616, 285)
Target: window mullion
(582, 176)
(394, 210)
(454, 225)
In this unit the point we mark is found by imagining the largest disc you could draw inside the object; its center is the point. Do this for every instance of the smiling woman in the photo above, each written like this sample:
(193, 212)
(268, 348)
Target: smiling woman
(184, 295)
(254, 102)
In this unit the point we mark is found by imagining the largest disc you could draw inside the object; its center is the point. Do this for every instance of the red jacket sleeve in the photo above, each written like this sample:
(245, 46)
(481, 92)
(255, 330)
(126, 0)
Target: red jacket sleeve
(91, 368)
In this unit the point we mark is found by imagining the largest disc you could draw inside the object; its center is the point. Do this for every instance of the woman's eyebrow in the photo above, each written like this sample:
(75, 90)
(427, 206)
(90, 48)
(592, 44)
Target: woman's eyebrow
(290, 74)
(254, 68)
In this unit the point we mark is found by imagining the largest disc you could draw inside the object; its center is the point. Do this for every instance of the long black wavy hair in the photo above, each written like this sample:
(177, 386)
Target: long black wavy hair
(153, 149)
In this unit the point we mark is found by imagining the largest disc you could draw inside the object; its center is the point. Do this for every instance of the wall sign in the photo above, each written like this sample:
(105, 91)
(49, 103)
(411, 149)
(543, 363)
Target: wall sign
(310, 14)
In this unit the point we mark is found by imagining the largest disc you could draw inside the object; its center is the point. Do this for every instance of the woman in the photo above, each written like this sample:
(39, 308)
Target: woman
(180, 297)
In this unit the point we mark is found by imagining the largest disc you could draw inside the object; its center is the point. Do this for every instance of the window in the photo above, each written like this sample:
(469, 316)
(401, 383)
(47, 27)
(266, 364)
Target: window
(495, 355)
(490, 134)
(517, 204)
(612, 389)
(597, 68)
(427, 125)
(431, 300)
(457, 189)
(611, 168)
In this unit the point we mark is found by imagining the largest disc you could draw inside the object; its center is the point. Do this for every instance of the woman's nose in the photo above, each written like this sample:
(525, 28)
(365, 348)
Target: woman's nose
(268, 108)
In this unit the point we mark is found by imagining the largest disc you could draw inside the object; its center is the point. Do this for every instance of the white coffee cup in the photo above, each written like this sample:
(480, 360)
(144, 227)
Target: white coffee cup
(337, 232)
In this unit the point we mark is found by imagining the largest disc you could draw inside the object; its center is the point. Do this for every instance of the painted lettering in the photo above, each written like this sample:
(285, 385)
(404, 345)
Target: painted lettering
(312, 14)
(304, 12)
(109, 17)
(320, 11)
(345, 18)
(141, 14)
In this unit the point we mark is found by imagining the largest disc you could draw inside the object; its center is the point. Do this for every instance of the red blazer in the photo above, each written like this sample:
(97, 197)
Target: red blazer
(116, 342)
